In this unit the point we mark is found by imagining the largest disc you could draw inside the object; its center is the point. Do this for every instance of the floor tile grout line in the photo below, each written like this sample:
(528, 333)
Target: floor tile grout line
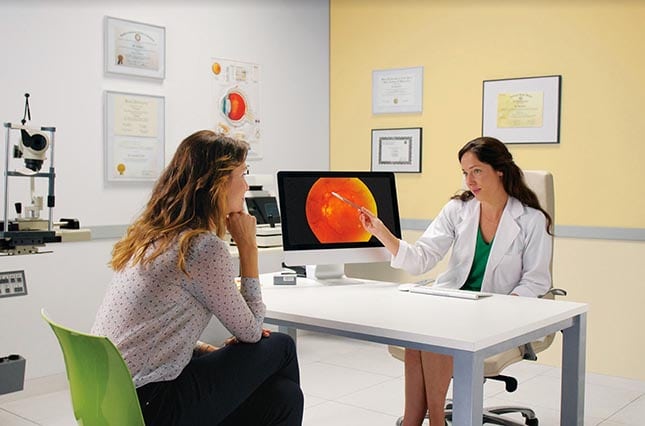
(347, 404)
(324, 400)
(19, 416)
(623, 407)
(362, 370)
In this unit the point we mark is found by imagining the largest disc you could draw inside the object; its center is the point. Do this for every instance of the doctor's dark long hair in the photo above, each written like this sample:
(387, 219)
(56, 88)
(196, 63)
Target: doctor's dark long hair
(189, 198)
(493, 152)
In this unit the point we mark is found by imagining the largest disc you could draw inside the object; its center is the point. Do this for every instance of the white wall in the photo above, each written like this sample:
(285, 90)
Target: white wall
(54, 51)
(69, 283)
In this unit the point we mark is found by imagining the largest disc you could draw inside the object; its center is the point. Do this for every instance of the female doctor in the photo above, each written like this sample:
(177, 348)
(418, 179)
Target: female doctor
(500, 242)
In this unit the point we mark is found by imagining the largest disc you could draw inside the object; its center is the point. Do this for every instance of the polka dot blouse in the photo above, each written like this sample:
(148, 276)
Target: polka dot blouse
(155, 314)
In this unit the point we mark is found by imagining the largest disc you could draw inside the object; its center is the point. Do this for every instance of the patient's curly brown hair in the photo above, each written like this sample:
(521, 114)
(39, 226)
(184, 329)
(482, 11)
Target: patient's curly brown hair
(189, 196)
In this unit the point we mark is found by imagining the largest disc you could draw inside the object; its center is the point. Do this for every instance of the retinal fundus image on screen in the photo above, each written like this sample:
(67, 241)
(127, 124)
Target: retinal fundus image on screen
(333, 220)
(319, 209)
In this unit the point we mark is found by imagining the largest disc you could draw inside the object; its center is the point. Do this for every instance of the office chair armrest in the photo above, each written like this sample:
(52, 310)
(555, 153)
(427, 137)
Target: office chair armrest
(528, 352)
(510, 383)
(553, 292)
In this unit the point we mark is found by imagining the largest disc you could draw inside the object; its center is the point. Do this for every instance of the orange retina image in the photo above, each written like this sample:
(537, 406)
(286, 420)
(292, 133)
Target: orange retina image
(237, 106)
(332, 220)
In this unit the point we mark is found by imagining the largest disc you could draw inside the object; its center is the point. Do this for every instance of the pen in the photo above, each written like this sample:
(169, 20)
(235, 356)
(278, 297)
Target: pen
(345, 200)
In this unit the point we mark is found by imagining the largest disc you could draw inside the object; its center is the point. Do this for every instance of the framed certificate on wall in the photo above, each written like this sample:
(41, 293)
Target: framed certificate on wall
(134, 48)
(396, 150)
(134, 137)
(397, 90)
(522, 110)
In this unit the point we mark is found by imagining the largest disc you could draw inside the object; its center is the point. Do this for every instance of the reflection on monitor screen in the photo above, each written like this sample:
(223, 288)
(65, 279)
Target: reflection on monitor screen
(320, 218)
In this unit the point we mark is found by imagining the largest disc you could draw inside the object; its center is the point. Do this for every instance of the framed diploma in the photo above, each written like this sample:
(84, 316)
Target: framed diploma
(522, 110)
(135, 48)
(134, 137)
(398, 90)
(396, 150)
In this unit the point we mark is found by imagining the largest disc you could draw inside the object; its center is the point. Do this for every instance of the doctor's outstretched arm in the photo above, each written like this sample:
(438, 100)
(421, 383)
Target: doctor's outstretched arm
(375, 226)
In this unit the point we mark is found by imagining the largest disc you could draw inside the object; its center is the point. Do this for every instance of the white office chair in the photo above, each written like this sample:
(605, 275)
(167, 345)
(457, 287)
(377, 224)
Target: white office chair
(541, 182)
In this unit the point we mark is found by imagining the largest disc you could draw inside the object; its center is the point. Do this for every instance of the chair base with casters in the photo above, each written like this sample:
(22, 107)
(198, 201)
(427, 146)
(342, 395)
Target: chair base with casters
(494, 415)
(100, 384)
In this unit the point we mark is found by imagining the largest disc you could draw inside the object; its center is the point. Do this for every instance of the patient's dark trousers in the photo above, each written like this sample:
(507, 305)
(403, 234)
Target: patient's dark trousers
(239, 384)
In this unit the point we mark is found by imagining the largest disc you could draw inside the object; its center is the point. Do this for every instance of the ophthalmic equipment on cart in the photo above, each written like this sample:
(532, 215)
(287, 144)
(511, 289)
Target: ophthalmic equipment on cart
(35, 149)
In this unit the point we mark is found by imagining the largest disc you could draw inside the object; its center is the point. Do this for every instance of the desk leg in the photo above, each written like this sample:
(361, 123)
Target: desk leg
(468, 389)
(293, 332)
(572, 403)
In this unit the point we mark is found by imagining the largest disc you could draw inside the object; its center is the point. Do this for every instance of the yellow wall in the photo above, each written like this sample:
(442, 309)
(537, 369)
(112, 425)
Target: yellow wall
(608, 276)
(595, 45)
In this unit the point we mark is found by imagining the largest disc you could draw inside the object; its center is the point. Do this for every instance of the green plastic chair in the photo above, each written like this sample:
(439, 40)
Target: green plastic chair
(100, 383)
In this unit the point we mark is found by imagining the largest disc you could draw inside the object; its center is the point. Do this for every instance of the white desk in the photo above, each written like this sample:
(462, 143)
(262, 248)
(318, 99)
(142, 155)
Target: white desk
(469, 330)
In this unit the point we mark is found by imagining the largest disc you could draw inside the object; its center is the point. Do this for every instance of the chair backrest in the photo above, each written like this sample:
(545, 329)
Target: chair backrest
(100, 383)
(541, 182)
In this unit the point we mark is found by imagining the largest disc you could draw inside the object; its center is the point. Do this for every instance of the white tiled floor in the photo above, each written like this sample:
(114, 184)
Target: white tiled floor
(348, 382)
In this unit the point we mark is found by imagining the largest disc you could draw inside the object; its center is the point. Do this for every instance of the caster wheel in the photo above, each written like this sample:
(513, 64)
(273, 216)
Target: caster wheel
(531, 422)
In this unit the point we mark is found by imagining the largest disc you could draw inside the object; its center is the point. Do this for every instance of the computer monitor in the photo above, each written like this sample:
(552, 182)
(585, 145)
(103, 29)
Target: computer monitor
(319, 228)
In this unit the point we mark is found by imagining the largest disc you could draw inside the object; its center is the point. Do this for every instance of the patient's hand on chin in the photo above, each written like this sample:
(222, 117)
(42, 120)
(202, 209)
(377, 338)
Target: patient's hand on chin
(241, 226)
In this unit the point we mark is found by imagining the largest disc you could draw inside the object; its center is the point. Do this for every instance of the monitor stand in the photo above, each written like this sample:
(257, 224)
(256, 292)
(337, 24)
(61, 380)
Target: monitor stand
(332, 275)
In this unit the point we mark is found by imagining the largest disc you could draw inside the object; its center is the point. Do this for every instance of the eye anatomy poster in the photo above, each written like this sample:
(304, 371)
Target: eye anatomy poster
(236, 91)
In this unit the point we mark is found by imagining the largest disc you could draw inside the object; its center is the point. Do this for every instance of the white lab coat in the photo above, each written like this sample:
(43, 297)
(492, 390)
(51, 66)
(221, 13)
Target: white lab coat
(519, 258)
